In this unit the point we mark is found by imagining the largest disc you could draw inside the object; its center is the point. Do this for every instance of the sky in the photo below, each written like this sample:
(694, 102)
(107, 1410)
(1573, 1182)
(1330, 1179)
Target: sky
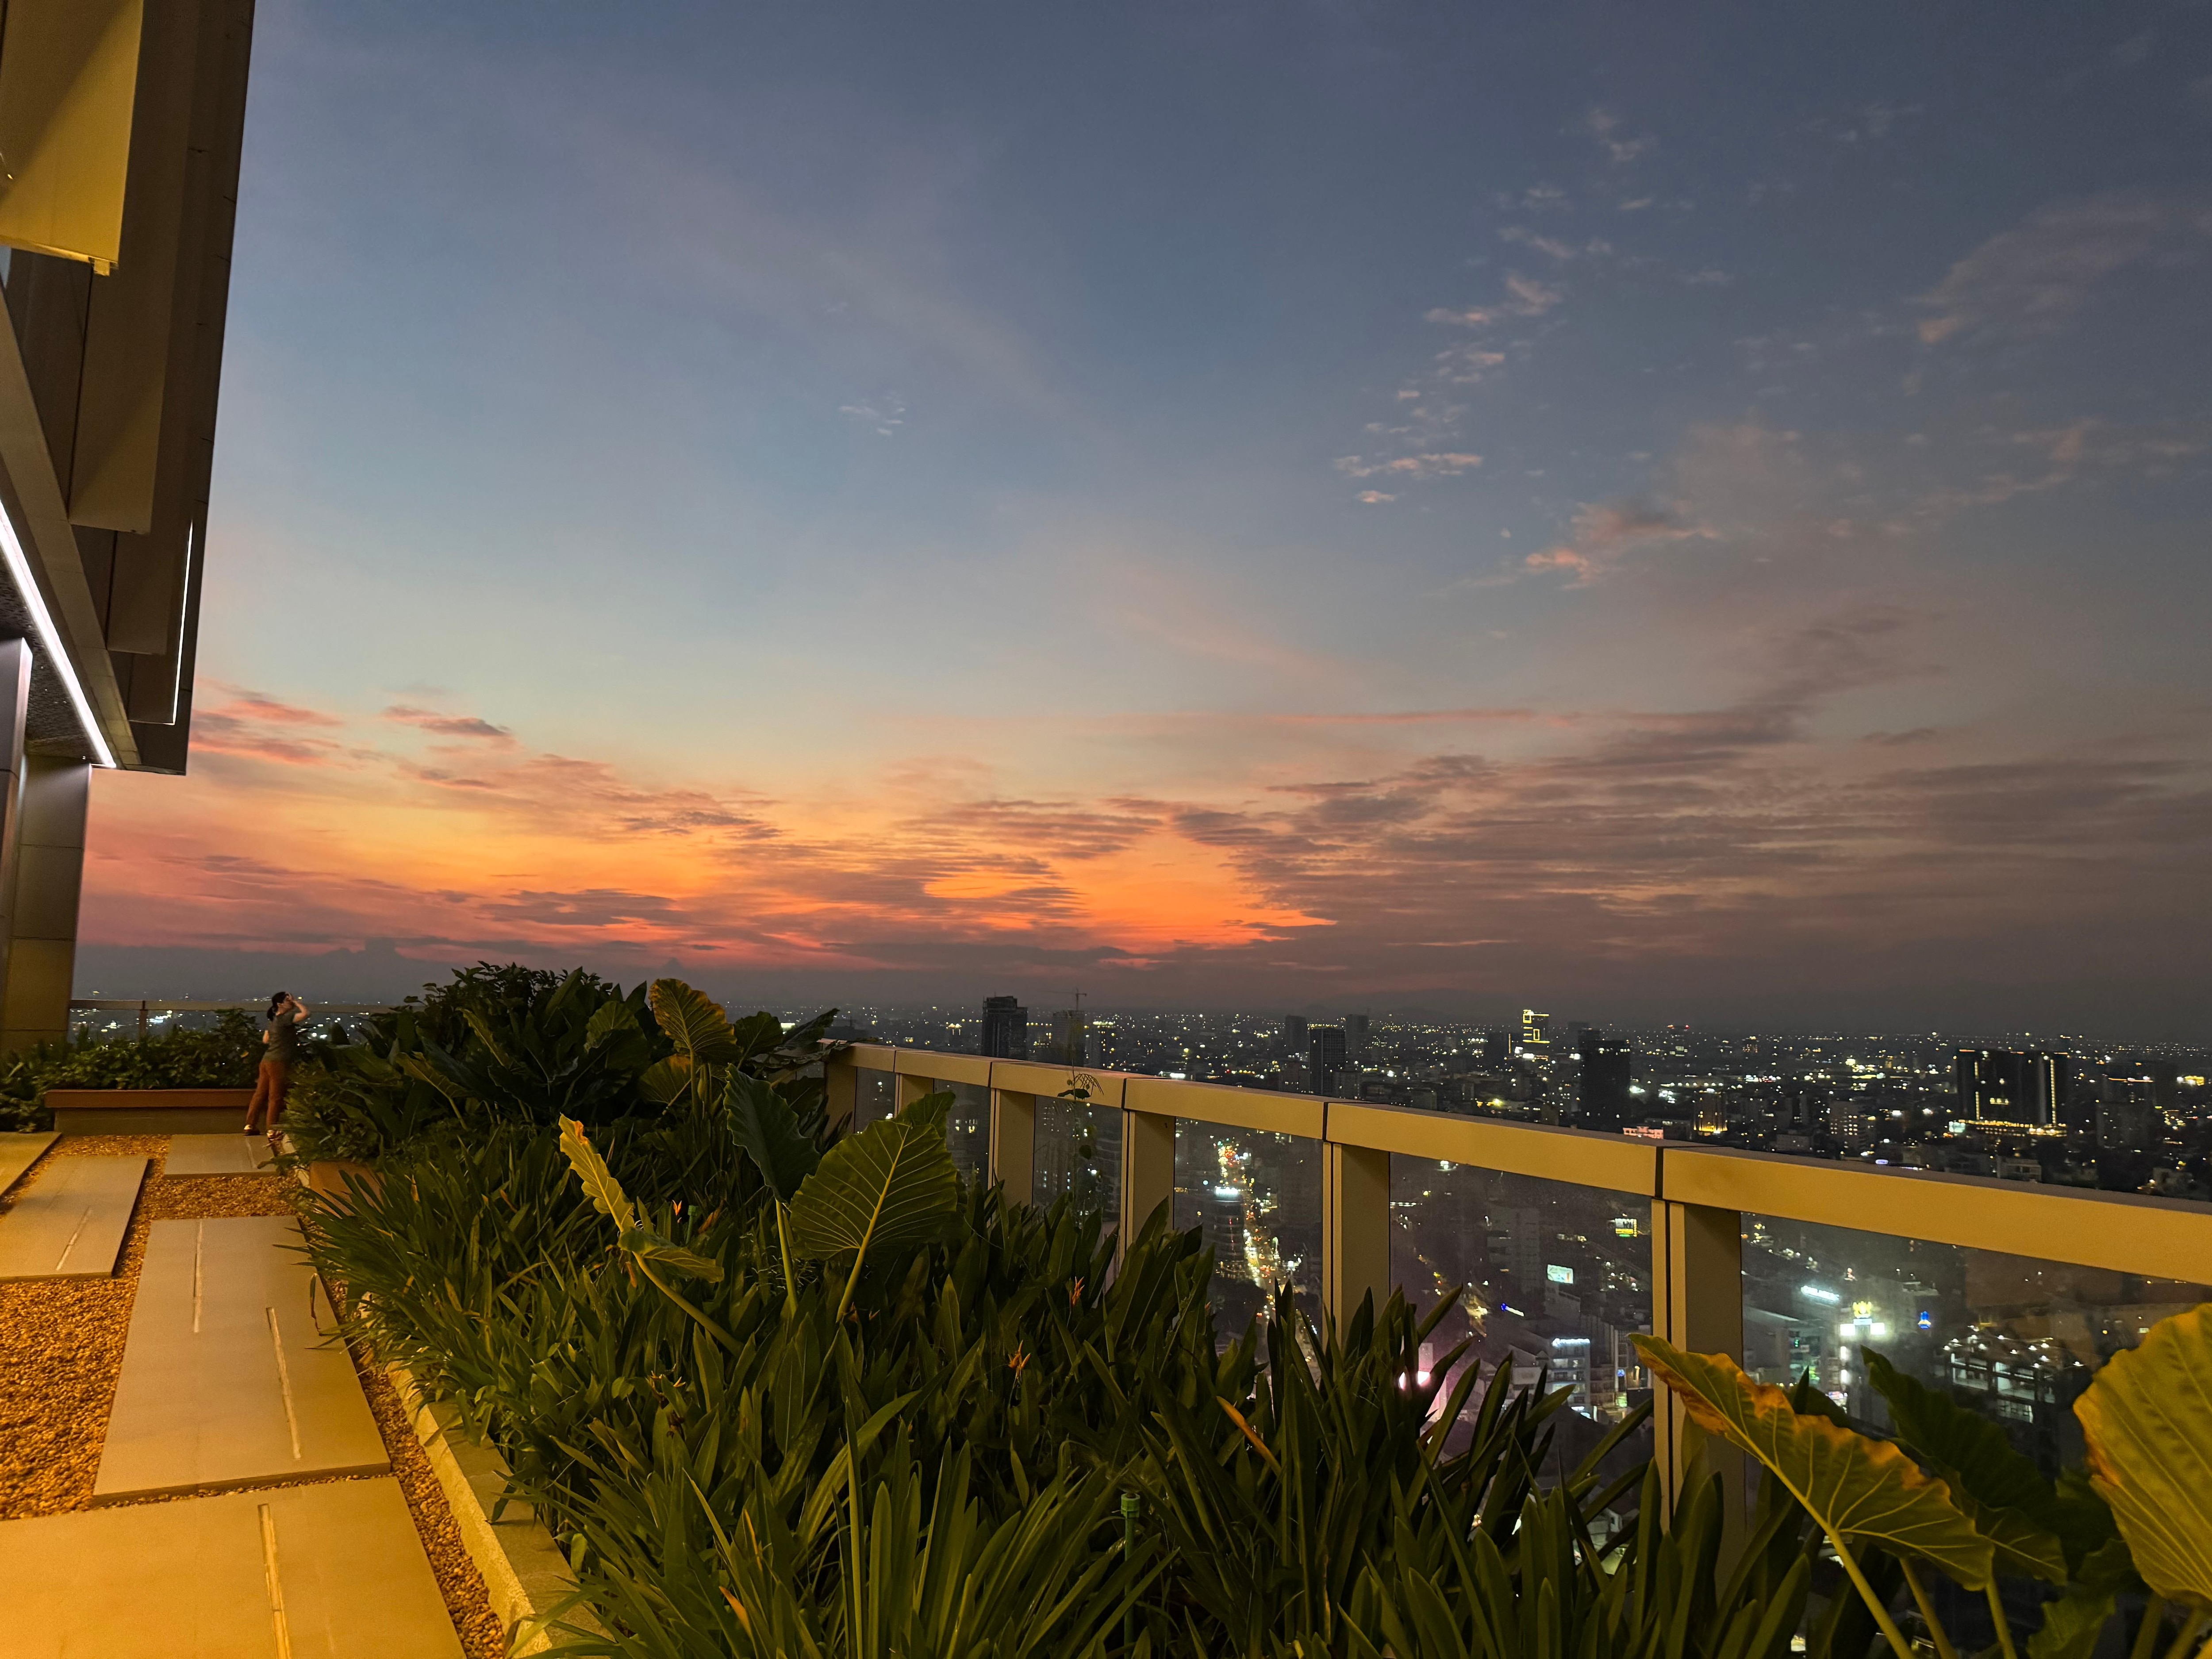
(1661, 512)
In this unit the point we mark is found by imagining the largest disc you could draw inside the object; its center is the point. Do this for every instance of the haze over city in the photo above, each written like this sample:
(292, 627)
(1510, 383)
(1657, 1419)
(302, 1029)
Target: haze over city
(1236, 507)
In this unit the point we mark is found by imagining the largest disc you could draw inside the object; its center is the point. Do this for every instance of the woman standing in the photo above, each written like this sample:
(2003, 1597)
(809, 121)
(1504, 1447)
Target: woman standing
(282, 1041)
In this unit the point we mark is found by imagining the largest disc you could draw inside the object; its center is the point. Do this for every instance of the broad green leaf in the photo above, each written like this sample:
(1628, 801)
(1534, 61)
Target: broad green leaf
(649, 1246)
(482, 1027)
(769, 1134)
(892, 1184)
(2147, 1418)
(692, 1021)
(2072, 1624)
(2004, 1495)
(612, 1017)
(663, 1082)
(1856, 1488)
(599, 1183)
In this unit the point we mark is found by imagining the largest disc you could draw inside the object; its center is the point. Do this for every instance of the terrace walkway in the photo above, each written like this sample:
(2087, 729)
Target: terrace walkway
(191, 1464)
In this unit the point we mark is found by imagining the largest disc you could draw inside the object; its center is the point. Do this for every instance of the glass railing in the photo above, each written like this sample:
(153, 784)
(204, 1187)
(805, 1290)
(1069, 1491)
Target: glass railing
(1554, 1246)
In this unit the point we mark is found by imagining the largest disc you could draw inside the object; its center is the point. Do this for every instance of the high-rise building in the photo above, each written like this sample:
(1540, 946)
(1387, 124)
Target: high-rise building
(2012, 1086)
(1006, 1029)
(1535, 1034)
(1294, 1035)
(1608, 1063)
(1325, 1058)
(2127, 1114)
(1071, 1038)
(1356, 1035)
(1497, 1047)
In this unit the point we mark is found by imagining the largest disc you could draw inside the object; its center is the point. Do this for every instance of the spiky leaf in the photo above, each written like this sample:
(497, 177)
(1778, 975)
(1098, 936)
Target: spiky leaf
(769, 1134)
(599, 1183)
(1856, 1488)
(892, 1184)
(2147, 1418)
(2004, 1495)
(693, 1022)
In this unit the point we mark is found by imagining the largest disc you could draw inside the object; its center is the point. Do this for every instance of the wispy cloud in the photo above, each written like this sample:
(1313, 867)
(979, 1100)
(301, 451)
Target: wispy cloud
(1606, 127)
(1411, 468)
(1604, 535)
(2032, 280)
(469, 727)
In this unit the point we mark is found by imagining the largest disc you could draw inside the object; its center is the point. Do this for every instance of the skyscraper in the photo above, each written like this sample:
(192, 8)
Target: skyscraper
(1006, 1029)
(1071, 1044)
(2007, 1085)
(1355, 1035)
(1294, 1035)
(1608, 1065)
(1535, 1034)
(1497, 1047)
(1325, 1058)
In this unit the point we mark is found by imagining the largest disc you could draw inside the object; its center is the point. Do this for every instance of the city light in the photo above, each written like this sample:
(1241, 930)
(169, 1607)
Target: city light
(1814, 1292)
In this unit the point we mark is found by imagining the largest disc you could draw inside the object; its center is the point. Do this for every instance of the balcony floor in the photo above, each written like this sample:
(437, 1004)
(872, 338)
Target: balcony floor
(291, 1556)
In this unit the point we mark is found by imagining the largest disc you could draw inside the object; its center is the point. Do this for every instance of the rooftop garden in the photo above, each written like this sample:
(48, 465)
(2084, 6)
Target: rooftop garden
(781, 1389)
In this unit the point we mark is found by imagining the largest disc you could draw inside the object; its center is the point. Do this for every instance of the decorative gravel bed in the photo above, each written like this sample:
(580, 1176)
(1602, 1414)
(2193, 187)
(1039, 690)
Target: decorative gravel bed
(61, 1349)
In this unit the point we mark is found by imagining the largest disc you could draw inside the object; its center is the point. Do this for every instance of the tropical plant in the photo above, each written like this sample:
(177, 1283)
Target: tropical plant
(1948, 1491)
(521, 1045)
(782, 1390)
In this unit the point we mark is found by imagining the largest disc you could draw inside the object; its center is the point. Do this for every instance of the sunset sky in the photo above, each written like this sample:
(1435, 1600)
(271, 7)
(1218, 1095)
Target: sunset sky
(1663, 513)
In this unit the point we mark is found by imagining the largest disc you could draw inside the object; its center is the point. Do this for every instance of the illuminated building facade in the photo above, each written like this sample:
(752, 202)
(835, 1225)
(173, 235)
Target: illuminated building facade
(121, 127)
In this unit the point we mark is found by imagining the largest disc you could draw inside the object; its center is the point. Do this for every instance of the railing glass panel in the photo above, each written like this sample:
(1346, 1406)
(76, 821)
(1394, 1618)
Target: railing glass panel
(1257, 1196)
(2016, 1337)
(967, 1130)
(1078, 1157)
(874, 1096)
(1546, 1276)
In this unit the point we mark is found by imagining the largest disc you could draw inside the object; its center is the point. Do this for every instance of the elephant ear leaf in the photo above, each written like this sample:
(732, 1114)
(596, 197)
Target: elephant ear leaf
(691, 1020)
(2073, 1623)
(649, 1246)
(892, 1184)
(612, 1017)
(2004, 1495)
(770, 1135)
(1856, 1488)
(599, 1183)
(663, 1082)
(2148, 1420)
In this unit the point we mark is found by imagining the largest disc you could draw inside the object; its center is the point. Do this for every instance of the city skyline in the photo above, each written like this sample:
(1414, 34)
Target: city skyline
(1682, 520)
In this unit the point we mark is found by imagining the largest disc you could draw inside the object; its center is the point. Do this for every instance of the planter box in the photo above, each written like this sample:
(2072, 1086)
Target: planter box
(148, 1111)
(525, 1574)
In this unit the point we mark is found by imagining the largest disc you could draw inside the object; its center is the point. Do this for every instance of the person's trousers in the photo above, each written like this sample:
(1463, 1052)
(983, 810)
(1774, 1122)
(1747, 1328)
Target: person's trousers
(275, 1077)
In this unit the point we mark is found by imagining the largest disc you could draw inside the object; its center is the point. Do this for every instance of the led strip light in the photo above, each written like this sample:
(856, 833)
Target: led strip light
(19, 566)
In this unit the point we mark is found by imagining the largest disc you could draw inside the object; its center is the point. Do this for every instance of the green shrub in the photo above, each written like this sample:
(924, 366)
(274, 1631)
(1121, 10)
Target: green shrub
(224, 1058)
(504, 1044)
(782, 1391)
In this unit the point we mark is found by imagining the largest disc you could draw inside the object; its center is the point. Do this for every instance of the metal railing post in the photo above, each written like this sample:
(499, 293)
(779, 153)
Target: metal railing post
(1697, 1305)
(1014, 1143)
(1355, 1239)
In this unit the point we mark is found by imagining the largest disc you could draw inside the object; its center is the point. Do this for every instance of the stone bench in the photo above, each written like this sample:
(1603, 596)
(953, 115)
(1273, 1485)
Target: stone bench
(147, 1111)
